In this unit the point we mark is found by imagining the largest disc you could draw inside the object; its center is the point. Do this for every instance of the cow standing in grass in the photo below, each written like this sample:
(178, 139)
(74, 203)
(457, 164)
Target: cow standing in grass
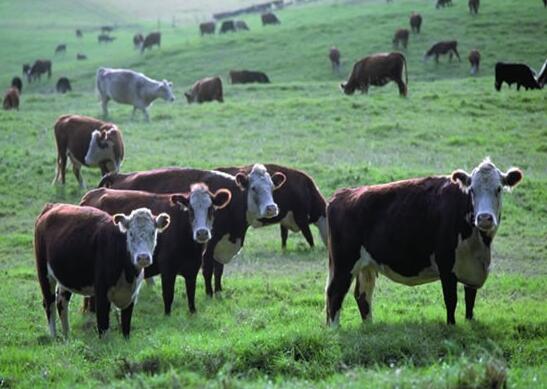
(269, 18)
(474, 6)
(415, 22)
(443, 48)
(39, 67)
(207, 28)
(11, 99)
(152, 39)
(206, 89)
(474, 60)
(515, 73)
(16, 82)
(401, 37)
(334, 56)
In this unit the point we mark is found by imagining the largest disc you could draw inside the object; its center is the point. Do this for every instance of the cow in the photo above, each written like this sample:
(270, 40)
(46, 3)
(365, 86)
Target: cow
(206, 28)
(11, 99)
(180, 249)
(544, 3)
(474, 6)
(26, 69)
(415, 22)
(137, 41)
(269, 18)
(88, 142)
(63, 85)
(299, 201)
(107, 29)
(401, 36)
(79, 33)
(247, 76)
(378, 70)
(154, 38)
(334, 56)
(129, 87)
(227, 25)
(81, 57)
(60, 49)
(241, 25)
(16, 82)
(415, 231)
(105, 38)
(39, 67)
(541, 77)
(441, 48)
(518, 73)
(474, 60)
(252, 199)
(206, 89)
(86, 251)
(443, 3)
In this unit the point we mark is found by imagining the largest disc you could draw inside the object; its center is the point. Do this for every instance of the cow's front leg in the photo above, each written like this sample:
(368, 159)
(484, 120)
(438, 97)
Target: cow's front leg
(127, 313)
(207, 270)
(145, 112)
(450, 294)
(218, 269)
(470, 294)
(102, 306)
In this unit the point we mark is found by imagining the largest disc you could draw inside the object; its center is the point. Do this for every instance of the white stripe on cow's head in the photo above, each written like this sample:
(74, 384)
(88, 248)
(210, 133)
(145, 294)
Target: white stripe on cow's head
(201, 205)
(141, 229)
(260, 186)
(485, 184)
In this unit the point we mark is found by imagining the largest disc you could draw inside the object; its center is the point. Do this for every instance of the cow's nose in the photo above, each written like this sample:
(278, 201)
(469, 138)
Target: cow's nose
(271, 210)
(203, 235)
(485, 220)
(144, 260)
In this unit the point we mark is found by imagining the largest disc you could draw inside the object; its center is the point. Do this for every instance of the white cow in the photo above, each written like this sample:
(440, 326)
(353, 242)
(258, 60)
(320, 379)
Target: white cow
(129, 87)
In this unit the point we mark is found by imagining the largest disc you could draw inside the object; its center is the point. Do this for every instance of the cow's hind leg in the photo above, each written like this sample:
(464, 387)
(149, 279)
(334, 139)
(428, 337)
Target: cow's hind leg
(402, 87)
(364, 288)
(127, 313)
(470, 294)
(104, 105)
(457, 54)
(145, 112)
(48, 285)
(168, 289)
(63, 298)
(76, 169)
(337, 287)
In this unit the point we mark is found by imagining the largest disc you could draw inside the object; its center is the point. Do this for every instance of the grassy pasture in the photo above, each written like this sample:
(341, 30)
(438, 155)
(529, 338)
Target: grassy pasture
(267, 329)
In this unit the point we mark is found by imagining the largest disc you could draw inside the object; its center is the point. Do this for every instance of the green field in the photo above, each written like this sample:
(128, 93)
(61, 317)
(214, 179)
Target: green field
(267, 329)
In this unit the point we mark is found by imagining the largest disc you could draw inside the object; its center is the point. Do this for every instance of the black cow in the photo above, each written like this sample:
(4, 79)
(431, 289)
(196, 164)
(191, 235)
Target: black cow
(518, 73)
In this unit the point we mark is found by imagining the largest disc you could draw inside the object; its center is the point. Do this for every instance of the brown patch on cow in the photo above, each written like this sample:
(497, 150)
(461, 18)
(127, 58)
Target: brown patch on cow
(152, 39)
(206, 89)
(11, 99)
(401, 37)
(442, 48)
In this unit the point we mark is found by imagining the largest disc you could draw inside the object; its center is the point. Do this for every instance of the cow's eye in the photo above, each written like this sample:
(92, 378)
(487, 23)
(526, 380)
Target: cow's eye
(253, 188)
(499, 190)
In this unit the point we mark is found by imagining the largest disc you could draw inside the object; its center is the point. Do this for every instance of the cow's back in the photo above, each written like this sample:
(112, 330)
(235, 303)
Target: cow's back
(119, 84)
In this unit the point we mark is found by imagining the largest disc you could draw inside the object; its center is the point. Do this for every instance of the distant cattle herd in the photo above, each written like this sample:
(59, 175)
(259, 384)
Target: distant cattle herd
(174, 221)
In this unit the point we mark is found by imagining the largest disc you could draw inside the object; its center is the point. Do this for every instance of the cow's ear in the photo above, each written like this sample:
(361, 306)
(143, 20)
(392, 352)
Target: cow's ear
(162, 222)
(461, 178)
(512, 177)
(122, 221)
(278, 179)
(221, 198)
(242, 181)
(182, 200)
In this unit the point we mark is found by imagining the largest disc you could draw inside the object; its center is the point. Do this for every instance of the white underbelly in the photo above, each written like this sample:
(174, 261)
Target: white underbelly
(472, 263)
(124, 293)
(289, 223)
(225, 250)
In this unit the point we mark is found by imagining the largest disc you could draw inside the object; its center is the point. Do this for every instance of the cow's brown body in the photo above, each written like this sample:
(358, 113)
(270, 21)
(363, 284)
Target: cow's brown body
(474, 6)
(11, 99)
(401, 37)
(378, 70)
(39, 67)
(415, 22)
(73, 134)
(248, 76)
(154, 38)
(269, 18)
(206, 89)
(474, 60)
(334, 56)
(207, 28)
(63, 85)
(300, 203)
(442, 48)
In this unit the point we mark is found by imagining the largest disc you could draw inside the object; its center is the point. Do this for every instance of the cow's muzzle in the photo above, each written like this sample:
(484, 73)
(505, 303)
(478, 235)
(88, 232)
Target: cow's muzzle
(485, 222)
(271, 211)
(202, 235)
(143, 260)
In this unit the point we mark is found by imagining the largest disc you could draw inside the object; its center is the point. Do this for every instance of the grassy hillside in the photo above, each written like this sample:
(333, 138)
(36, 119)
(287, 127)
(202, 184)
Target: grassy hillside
(267, 329)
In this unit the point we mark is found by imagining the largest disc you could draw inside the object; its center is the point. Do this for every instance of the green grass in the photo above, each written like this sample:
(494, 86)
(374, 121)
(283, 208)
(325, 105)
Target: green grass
(267, 329)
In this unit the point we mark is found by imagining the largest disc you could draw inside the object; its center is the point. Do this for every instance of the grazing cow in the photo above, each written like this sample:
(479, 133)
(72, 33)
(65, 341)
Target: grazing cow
(180, 249)
(247, 76)
(63, 85)
(81, 57)
(474, 60)
(299, 201)
(443, 3)
(88, 142)
(241, 25)
(60, 49)
(79, 33)
(269, 18)
(154, 38)
(252, 199)
(16, 82)
(401, 36)
(11, 99)
(26, 69)
(542, 75)
(414, 232)
(415, 22)
(129, 87)
(105, 38)
(107, 29)
(441, 48)
(207, 28)
(86, 251)
(334, 56)
(378, 70)
(137, 41)
(474, 6)
(227, 25)
(206, 89)
(39, 67)
(518, 73)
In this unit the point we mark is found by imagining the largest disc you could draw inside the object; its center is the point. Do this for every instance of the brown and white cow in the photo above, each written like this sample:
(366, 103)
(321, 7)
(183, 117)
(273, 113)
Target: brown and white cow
(86, 251)
(334, 56)
(401, 37)
(89, 142)
(414, 232)
(206, 28)
(11, 99)
(378, 70)
(269, 18)
(442, 48)
(206, 89)
(252, 199)
(154, 38)
(415, 22)
(299, 201)
(180, 249)
(474, 60)
(39, 67)
(474, 6)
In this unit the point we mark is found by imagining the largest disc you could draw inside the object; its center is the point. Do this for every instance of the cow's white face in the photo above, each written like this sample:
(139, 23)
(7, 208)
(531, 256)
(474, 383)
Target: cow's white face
(201, 205)
(101, 147)
(485, 185)
(260, 186)
(141, 229)
(166, 91)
